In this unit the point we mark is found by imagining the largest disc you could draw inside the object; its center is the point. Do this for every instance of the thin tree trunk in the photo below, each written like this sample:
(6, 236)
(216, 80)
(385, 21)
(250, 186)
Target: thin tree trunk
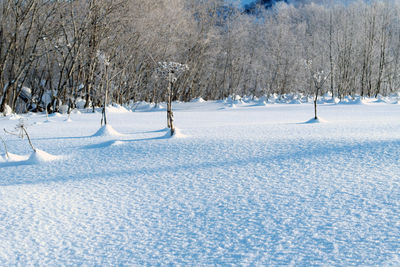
(315, 107)
(170, 115)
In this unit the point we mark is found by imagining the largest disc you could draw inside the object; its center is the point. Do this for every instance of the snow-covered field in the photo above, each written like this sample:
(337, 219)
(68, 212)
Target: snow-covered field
(244, 184)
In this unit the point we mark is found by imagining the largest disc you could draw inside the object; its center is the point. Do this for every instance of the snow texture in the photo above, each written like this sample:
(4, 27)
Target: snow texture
(252, 186)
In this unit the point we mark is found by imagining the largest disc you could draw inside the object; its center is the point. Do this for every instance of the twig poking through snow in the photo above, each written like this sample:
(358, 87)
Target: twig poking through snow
(5, 147)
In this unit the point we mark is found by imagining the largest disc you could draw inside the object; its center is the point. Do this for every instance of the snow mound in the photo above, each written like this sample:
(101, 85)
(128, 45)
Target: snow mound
(333, 100)
(178, 134)
(314, 120)
(106, 130)
(116, 109)
(142, 105)
(40, 156)
(12, 157)
(233, 101)
(355, 101)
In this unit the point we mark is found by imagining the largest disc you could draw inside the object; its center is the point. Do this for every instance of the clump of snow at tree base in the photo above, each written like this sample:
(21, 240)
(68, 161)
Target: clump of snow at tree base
(249, 185)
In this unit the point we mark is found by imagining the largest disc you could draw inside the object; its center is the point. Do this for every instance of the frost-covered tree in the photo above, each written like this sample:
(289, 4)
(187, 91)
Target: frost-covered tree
(170, 71)
(104, 66)
(318, 77)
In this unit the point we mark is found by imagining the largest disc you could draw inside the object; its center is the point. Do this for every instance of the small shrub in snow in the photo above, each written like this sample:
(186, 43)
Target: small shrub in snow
(21, 132)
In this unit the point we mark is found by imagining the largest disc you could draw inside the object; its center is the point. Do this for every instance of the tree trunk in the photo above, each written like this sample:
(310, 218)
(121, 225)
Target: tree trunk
(6, 98)
(330, 51)
(104, 116)
(170, 115)
(315, 108)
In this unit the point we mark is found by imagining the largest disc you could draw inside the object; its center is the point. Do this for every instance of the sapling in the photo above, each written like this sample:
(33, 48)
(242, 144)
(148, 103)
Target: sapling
(170, 71)
(105, 63)
(319, 78)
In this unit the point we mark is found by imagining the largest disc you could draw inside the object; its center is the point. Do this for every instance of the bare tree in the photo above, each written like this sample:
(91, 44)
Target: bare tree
(318, 78)
(170, 71)
(20, 35)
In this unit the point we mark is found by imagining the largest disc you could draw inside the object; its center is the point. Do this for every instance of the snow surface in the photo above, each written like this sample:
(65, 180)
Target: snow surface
(253, 185)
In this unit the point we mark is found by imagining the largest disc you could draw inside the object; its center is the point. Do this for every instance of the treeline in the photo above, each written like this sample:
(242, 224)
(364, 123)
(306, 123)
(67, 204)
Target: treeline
(69, 50)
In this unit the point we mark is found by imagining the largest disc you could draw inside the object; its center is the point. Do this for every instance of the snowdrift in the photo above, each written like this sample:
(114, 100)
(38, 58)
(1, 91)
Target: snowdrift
(12, 157)
(40, 156)
(37, 157)
(107, 131)
(314, 120)
(178, 134)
